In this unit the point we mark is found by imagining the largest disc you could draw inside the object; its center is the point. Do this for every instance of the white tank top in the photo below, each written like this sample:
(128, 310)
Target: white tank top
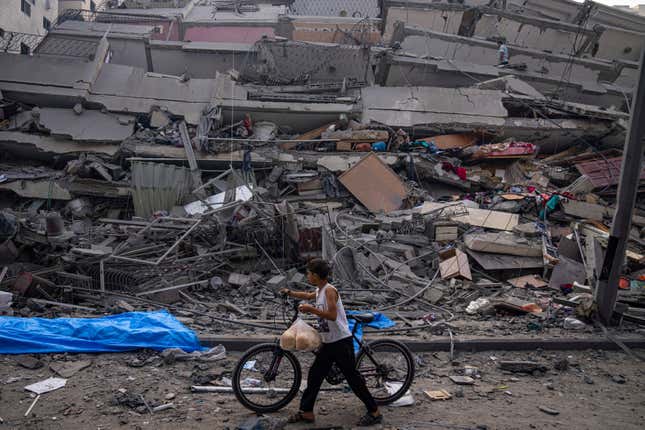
(331, 331)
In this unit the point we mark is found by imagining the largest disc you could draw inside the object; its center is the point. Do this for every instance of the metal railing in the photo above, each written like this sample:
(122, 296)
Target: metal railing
(108, 17)
(19, 43)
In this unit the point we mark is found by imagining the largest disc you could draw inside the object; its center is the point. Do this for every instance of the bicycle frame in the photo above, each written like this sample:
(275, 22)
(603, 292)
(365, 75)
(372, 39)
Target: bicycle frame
(272, 372)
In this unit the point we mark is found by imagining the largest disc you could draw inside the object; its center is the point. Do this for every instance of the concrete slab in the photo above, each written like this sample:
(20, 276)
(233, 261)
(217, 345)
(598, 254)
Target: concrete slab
(89, 126)
(503, 243)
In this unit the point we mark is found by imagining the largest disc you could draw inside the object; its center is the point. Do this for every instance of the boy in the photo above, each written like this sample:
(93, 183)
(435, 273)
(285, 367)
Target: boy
(337, 347)
(503, 52)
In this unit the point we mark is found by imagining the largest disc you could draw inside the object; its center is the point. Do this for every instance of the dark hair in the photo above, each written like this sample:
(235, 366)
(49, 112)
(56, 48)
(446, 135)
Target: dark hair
(319, 267)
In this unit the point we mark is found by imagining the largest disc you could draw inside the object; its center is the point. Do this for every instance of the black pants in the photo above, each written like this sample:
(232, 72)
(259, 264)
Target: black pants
(341, 353)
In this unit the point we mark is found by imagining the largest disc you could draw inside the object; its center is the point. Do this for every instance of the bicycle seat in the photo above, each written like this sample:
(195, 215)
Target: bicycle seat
(363, 318)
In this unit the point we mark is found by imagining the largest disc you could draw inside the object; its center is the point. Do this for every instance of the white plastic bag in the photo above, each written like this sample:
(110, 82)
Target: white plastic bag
(300, 337)
(571, 323)
(476, 305)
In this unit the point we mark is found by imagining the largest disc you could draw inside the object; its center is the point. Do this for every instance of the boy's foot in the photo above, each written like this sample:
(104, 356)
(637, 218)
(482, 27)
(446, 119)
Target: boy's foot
(301, 417)
(369, 420)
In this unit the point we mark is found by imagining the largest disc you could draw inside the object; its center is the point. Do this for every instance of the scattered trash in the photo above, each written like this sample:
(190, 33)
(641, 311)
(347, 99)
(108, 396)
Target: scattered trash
(549, 411)
(571, 323)
(462, 380)
(250, 365)
(29, 362)
(477, 305)
(521, 366)
(438, 395)
(47, 385)
(406, 400)
(69, 369)
(262, 423)
(619, 379)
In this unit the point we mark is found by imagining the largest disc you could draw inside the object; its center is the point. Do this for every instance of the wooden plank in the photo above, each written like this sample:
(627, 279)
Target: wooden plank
(489, 219)
(375, 185)
(456, 266)
(315, 133)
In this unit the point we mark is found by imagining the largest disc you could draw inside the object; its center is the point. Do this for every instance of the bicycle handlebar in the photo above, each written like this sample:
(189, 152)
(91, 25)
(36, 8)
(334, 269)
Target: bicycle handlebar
(294, 305)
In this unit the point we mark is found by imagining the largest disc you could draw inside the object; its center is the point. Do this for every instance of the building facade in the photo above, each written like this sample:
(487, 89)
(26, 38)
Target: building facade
(28, 16)
(92, 5)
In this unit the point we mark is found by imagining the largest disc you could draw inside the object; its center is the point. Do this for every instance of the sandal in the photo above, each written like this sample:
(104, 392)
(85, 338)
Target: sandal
(299, 417)
(369, 420)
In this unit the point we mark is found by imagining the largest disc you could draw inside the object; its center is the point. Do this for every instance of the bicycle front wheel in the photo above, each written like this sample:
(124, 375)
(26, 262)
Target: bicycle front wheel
(266, 378)
(388, 369)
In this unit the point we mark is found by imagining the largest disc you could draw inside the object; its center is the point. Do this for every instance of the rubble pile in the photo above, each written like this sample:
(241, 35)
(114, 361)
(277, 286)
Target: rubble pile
(449, 186)
(436, 230)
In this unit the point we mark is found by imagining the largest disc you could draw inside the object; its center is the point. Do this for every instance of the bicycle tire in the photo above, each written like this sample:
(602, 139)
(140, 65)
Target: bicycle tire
(409, 378)
(248, 355)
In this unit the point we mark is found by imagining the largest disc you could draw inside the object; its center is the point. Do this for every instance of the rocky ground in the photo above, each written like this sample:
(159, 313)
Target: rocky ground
(579, 390)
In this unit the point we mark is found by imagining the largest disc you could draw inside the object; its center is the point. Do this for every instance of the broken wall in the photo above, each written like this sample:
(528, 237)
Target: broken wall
(568, 11)
(128, 89)
(123, 50)
(533, 31)
(227, 34)
(68, 79)
(401, 71)
(406, 107)
(286, 61)
(486, 53)
(45, 148)
(445, 21)
(539, 37)
(622, 30)
(200, 60)
(616, 43)
(344, 31)
(344, 8)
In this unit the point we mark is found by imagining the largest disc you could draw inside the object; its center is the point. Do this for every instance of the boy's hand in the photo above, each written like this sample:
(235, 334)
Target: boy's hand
(285, 291)
(306, 309)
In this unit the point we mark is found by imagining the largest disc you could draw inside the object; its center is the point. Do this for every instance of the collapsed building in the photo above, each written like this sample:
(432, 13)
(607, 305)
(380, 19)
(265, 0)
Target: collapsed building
(185, 152)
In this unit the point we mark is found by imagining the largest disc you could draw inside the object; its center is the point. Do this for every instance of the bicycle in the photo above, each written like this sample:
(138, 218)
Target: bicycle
(268, 364)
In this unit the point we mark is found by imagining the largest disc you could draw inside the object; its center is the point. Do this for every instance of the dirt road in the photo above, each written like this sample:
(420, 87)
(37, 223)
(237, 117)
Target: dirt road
(587, 390)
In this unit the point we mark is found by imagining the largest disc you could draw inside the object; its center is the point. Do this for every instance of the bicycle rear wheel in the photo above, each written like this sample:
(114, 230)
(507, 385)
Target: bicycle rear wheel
(388, 369)
(266, 378)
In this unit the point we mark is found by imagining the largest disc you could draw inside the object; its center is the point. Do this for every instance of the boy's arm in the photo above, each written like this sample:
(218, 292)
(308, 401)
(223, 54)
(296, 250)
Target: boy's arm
(302, 295)
(332, 311)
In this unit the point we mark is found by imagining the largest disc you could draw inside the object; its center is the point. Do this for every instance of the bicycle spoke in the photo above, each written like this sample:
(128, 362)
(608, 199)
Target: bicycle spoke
(384, 369)
(253, 378)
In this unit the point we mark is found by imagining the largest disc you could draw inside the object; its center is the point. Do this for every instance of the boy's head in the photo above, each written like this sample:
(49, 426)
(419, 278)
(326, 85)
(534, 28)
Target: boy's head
(317, 271)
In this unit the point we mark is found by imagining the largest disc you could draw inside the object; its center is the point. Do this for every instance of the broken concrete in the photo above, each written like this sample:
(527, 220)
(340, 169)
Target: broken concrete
(503, 243)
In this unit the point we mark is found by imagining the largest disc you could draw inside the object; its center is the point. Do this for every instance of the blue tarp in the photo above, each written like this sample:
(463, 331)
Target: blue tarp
(116, 333)
(380, 321)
